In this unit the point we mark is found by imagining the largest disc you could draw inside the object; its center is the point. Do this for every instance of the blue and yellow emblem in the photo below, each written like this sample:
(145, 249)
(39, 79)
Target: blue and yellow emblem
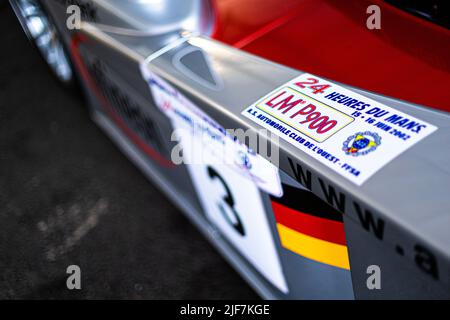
(361, 143)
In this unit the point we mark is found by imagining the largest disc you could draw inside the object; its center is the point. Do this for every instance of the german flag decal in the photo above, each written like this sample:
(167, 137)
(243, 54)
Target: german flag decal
(310, 227)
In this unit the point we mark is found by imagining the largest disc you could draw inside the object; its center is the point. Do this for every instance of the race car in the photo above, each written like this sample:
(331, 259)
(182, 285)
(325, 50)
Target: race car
(307, 142)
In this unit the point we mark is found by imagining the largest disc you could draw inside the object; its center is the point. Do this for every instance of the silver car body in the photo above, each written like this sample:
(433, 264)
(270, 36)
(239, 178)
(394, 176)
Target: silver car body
(398, 220)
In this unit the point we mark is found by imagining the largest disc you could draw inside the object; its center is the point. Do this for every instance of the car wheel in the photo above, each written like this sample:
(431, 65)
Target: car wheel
(41, 30)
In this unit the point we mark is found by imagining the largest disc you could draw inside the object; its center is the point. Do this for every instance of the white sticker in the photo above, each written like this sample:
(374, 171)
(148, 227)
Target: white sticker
(348, 132)
(228, 191)
(233, 204)
(216, 140)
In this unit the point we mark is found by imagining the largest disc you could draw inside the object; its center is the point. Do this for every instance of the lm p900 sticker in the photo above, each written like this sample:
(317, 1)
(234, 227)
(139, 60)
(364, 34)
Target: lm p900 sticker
(348, 132)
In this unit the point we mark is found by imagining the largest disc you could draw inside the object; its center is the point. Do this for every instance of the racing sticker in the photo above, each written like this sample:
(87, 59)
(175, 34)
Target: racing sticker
(227, 177)
(310, 227)
(348, 132)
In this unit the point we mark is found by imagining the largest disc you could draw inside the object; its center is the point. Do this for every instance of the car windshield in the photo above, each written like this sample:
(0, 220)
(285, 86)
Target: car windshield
(436, 11)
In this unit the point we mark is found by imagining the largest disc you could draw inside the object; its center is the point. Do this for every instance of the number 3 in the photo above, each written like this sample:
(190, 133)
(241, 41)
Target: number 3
(229, 200)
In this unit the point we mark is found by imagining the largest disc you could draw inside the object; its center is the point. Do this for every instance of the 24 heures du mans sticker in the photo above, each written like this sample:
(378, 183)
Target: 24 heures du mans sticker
(227, 177)
(348, 132)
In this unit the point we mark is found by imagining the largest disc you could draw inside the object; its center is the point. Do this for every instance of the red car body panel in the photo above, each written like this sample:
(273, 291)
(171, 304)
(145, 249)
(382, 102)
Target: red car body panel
(408, 58)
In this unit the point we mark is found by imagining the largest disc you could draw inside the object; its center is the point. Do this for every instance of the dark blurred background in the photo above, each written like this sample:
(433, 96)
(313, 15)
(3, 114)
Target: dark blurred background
(68, 196)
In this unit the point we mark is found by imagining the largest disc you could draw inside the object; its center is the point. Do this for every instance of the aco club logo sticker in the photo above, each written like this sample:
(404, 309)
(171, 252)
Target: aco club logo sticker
(361, 143)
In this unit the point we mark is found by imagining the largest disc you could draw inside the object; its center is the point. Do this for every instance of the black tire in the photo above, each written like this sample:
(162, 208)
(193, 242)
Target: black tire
(65, 75)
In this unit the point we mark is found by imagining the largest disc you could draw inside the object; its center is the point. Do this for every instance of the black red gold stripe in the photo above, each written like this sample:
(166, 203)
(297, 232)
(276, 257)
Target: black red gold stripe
(310, 228)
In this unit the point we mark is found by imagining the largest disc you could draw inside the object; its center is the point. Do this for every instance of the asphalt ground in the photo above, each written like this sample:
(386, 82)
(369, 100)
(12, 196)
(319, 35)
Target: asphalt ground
(68, 196)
